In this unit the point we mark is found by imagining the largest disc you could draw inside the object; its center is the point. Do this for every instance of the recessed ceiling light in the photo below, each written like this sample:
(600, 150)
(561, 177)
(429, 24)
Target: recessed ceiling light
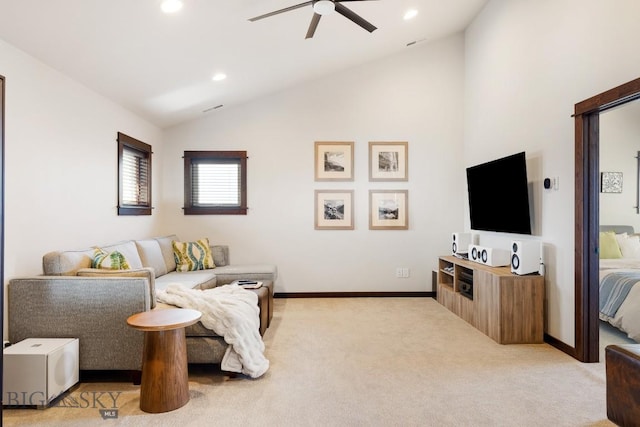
(410, 14)
(171, 6)
(218, 77)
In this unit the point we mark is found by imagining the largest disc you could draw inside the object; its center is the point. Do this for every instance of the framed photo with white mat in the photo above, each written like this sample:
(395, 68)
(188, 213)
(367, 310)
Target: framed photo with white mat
(334, 210)
(388, 209)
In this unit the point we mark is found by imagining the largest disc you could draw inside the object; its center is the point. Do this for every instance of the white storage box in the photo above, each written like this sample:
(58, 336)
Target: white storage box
(37, 370)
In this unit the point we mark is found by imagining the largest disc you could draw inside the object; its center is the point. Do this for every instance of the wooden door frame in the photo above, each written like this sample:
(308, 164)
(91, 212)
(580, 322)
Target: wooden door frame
(587, 218)
(2, 90)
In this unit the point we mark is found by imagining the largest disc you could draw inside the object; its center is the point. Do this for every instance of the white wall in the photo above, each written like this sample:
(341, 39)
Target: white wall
(619, 147)
(61, 165)
(415, 96)
(527, 64)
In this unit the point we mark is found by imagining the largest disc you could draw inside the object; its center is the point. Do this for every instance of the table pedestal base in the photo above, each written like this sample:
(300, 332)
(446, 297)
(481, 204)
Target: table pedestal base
(165, 377)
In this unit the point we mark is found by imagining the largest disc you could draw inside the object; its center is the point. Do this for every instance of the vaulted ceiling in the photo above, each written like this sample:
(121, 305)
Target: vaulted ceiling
(160, 66)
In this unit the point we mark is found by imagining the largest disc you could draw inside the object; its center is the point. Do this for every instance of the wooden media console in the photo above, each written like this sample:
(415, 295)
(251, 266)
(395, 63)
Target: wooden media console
(504, 306)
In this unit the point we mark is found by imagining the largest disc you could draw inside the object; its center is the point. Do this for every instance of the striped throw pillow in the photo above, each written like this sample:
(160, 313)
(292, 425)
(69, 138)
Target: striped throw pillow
(192, 256)
(109, 260)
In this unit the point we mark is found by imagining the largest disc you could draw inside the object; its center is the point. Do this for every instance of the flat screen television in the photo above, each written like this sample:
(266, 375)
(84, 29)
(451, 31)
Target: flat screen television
(499, 195)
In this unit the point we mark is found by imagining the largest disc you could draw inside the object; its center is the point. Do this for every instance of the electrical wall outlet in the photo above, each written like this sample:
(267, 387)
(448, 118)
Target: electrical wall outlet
(402, 272)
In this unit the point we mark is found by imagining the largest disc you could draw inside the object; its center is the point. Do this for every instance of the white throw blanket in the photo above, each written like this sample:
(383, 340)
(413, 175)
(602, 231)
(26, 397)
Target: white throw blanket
(232, 313)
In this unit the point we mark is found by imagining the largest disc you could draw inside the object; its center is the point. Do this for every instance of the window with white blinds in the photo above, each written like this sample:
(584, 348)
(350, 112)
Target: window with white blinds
(134, 176)
(135, 181)
(215, 182)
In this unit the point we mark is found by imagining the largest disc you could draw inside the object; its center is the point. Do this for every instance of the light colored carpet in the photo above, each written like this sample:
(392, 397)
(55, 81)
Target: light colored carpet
(610, 335)
(368, 362)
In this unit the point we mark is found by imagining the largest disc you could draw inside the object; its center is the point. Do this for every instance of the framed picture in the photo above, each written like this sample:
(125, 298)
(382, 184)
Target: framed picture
(334, 210)
(334, 161)
(388, 210)
(611, 182)
(388, 161)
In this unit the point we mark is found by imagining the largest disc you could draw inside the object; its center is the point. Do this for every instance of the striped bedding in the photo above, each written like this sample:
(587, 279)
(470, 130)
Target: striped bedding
(614, 288)
(620, 295)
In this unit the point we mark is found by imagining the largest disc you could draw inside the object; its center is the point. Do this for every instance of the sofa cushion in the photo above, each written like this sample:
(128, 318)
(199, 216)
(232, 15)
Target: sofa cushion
(192, 256)
(151, 255)
(147, 273)
(129, 250)
(66, 263)
(109, 260)
(200, 279)
(167, 251)
(220, 255)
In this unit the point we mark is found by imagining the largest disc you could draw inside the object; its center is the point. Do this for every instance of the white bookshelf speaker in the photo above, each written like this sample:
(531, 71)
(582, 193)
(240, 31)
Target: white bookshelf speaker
(472, 250)
(525, 256)
(460, 242)
(489, 256)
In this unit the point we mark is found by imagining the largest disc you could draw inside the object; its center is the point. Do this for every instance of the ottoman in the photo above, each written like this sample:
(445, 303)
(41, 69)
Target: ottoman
(265, 303)
(623, 384)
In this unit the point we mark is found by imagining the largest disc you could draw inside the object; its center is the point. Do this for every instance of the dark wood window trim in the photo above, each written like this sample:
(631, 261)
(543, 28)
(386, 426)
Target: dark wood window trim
(142, 206)
(587, 219)
(191, 159)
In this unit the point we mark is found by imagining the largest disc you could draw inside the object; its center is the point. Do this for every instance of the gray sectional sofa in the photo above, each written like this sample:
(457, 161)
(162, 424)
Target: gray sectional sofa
(71, 299)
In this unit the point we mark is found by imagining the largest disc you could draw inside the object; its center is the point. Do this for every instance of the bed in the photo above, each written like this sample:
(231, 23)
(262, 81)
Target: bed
(620, 278)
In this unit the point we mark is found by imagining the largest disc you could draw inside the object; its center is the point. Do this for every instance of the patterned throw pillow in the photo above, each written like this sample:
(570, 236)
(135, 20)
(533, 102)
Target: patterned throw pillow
(192, 256)
(109, 260)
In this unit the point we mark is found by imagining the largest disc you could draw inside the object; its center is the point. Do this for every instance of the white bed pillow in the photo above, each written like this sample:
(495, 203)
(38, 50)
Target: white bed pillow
(621, 238)
(629, 246)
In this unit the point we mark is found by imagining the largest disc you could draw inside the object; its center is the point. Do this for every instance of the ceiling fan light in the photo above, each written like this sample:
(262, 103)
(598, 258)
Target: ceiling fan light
(324, 7)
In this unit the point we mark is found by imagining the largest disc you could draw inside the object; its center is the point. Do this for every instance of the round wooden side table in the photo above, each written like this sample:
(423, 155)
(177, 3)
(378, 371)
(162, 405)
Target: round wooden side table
(165, 376)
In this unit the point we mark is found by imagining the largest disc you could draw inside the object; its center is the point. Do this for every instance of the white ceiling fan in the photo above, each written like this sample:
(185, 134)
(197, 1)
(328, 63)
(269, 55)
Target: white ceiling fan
(324, 7)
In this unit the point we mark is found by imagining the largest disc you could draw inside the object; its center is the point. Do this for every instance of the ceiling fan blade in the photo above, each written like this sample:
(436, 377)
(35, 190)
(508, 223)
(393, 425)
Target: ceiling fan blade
(277, 12)
(313, 25)
(349, 14)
